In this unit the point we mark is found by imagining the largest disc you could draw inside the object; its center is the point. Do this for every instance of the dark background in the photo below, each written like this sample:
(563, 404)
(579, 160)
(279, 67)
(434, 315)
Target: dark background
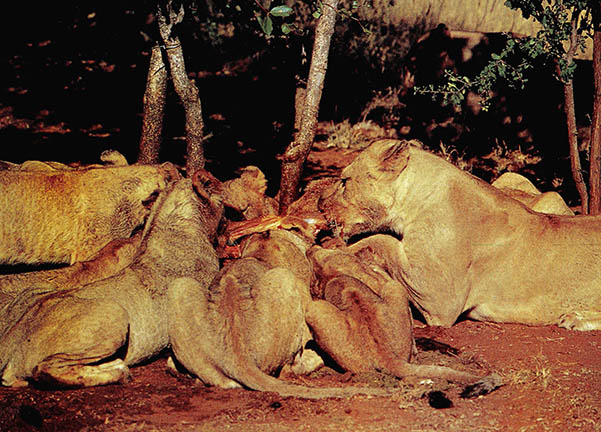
(82, 70)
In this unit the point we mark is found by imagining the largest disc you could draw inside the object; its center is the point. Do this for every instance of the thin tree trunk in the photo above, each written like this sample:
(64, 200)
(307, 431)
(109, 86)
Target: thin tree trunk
(595, 149)
(154, 109)
(570, 111)
(299, 103)
(185, 89)
(298, 150)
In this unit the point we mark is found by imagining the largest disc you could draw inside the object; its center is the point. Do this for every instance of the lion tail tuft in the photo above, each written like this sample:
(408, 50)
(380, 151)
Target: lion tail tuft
(486, 385)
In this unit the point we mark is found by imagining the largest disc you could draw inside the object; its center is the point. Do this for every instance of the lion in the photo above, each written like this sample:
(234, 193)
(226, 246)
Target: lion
(364, 321)
(250, 322)
(520, 188)
(251, 317)
(465, 247)
(254, 316)
(246, 194)
(56, 214)
(90, 335)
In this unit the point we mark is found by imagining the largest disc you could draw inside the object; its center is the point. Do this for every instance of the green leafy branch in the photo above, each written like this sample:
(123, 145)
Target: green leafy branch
(455, 87)
(565, 25)
(266, 21)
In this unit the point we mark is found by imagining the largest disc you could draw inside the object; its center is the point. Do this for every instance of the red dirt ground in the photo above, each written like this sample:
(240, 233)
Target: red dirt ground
(553, 383)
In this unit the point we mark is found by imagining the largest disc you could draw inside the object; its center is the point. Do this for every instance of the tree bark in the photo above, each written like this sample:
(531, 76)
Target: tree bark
(595, 149)
(299, 103)
(185, 89)
(296, 154)
(154, 109)
(570, 111)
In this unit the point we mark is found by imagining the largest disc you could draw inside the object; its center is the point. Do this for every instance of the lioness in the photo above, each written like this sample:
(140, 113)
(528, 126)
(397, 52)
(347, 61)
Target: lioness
(89, 335)
(465, 246)
(520, 188)
(53, 215)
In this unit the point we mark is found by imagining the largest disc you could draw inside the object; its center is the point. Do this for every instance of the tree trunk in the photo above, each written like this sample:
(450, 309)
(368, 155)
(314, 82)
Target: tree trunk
(185, 89)
(570, 111)
(299, 103)
(595, 149)
(295, 155)
(154, 109)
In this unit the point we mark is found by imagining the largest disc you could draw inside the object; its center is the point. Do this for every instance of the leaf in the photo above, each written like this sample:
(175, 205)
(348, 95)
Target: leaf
(281, 11)
(286, 28)
(316, 14)
(266, 25)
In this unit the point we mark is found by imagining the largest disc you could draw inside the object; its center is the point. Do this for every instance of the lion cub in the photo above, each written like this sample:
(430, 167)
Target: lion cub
(364, 322)
(250, 322)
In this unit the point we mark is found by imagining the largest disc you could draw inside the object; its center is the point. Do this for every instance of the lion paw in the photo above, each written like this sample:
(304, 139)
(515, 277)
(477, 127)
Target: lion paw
(580, 321)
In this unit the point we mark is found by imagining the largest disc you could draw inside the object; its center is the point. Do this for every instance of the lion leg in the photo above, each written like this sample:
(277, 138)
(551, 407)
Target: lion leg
(334, 334)
(111, 259)
(57, 371)
(192, 335)
(357, 329)
(582, 320)
(66, 341)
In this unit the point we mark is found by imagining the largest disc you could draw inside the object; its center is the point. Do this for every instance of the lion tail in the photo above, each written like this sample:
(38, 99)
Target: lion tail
(253, 378)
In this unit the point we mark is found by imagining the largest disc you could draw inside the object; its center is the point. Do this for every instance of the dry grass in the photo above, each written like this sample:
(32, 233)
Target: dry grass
(500, 159)
(538, 377)
(451, 154)
(387, 100)
(347, 136)
(506, 159)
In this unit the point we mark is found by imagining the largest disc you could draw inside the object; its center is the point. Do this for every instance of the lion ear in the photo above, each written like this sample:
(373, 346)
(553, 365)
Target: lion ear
(395, 156)
(206, 184)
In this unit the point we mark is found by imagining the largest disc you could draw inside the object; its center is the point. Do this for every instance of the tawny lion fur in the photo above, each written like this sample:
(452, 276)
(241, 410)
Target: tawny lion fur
(249, 323)
(251, 320)
(61, 215)
(520, 188)
(466, 247)
(90, 334)
(364, 322)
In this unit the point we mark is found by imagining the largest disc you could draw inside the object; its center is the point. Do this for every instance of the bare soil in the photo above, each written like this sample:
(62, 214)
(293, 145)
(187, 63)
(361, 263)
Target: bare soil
(553, 382)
